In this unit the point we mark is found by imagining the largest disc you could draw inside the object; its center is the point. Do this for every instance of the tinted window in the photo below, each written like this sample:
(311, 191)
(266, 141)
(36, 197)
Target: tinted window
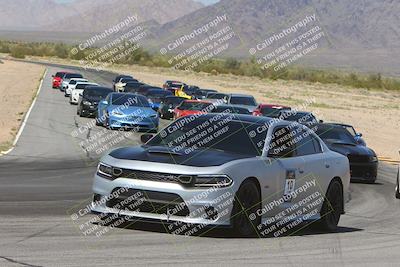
(201, 93)
(158, 93)
(133, 85)
(73, 75)
(132, 88)
(130, 100)
(204, 92)
(224, 109)
(351, 130)
(60, 74)
(300, 117)
(194, 106)
(317, 145)
(100, 93)
(304, 143)
(270, 112)
(118, 78)
(150, 87)
(282, 144)
(233, 136)
(216, 96)
(73, 82)
(335, 134)
(158, 97)
(243, 100)
(144, 89)
(125, 80)
(191, 89)
(175, 85)
(81, 86)
(173, 100)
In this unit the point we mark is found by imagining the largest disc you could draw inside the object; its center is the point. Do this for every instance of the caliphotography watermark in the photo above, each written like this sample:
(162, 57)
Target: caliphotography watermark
(204, 43)
(112, 45)
(288, 46)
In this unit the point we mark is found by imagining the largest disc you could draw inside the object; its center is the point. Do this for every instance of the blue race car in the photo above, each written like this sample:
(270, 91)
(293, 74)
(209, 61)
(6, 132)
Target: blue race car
(127, 111)
(156, 97)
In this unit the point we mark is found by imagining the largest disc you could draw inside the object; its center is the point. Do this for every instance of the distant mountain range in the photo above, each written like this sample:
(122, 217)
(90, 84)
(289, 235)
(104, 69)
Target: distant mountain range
(87, 15)
(361, 34)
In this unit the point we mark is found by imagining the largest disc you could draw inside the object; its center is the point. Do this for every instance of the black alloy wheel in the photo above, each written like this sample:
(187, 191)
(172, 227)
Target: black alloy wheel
(332, 207)
(244, 214)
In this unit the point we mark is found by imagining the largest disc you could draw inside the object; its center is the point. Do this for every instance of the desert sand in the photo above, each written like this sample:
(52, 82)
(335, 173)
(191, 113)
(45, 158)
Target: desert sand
(18, 85)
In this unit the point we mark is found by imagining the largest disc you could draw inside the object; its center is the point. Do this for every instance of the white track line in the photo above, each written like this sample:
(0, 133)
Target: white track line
(26, 117)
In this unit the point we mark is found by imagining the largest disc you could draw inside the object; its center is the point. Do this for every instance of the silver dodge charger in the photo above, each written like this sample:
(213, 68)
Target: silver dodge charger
(249, 173)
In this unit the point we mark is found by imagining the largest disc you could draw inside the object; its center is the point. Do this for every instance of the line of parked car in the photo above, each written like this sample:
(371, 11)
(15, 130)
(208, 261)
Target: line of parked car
(334, 152)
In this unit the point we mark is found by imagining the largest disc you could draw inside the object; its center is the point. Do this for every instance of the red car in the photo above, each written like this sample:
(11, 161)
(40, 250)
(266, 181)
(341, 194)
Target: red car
(192, 107)
(57, 79)
(269, 110)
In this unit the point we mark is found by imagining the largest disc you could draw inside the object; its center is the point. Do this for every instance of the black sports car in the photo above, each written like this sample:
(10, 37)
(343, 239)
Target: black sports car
(191, 90)
(167, 106)
(90, 99)
(132, 87)
(303, 117)
(363, 160)
(357, 136)
(202, 93)
(144, 88)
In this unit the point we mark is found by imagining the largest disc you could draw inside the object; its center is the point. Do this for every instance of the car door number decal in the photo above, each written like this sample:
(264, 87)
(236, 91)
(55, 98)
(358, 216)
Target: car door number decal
(290, 185)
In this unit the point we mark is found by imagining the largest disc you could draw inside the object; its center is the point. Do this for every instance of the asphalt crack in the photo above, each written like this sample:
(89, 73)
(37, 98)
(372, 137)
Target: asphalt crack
(38, 233)
(19, 262)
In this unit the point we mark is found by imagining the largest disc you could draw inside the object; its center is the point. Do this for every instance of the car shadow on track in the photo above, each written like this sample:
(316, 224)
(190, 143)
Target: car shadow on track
(212, 232)
(365, 182)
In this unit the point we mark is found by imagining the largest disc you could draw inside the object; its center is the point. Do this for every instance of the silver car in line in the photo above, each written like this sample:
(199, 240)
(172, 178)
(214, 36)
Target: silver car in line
(232, 170)
(242, 100)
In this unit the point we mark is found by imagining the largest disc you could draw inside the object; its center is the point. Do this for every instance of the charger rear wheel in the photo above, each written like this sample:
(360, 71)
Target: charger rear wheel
(332, 207)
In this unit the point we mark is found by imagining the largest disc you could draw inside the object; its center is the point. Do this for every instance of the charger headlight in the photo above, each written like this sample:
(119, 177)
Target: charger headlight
(217, 180)
(105, 171)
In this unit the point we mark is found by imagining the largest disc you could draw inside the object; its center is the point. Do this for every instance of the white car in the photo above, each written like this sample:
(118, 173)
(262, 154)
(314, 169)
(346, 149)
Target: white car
(71, 85)
(66, 78)
(239, 171)
(78, 90)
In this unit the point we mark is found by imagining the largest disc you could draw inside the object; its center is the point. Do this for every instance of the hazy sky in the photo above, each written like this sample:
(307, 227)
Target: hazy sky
(207, 2)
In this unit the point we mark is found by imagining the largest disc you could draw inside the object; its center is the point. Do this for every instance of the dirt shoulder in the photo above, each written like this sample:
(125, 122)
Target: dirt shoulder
(376, 114)
(18, 86)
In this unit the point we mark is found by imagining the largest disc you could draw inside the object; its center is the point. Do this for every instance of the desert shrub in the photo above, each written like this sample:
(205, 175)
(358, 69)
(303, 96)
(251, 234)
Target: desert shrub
(19, 51)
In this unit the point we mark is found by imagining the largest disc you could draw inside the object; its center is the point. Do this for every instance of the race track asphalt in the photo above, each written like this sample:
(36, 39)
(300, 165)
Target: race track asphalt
(48, 176)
